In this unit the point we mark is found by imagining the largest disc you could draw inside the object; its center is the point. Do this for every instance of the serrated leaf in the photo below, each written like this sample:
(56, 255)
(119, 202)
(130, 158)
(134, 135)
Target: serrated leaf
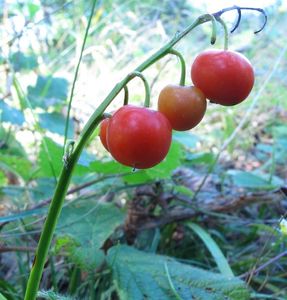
(139, 275)
(17, 165)
(88, 226)
(55, 122)
(11, 114)
(48, 91)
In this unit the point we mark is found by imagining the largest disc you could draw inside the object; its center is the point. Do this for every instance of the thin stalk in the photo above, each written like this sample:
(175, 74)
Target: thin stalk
(53, 274)
(182, 64)
(77, 71)
(226, 33)
(146, 86)
(75, 279)
(214, 29)
(126, 95)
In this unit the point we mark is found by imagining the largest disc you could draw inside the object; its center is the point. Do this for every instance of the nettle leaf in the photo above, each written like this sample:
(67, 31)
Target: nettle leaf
(17, 165)
(83, 228)
(11, 114)
(21, 61)
(139, 275)
(55, 122)
(50, 160)
(254, 180)
(48, 91)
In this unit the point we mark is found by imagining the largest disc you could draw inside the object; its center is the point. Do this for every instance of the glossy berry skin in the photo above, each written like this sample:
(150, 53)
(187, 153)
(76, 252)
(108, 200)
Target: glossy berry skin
(225, 77)
(138, 137)
(103, 132)
(184, 106)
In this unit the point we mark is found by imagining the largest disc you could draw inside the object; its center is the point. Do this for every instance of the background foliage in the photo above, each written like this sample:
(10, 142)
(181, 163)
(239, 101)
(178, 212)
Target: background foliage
(215, 207)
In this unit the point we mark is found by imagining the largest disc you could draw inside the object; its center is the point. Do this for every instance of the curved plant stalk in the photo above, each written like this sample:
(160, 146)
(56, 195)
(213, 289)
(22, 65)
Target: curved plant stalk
(226, 34)
(73, 152)
(126, 95)
(182, 64)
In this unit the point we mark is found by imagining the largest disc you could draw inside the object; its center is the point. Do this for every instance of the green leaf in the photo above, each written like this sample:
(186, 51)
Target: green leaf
(33, 9)
(84, 228)
(254, 180)
(17, 165)
(139, 275)
(108, 167)
(50, 164)
(213, 248)
(185, 138)
(21, 61)
(162, 170)
(55, 122)
(54, 161)
(48, 91)
(200, 158)
(10, 114)
(183, 190)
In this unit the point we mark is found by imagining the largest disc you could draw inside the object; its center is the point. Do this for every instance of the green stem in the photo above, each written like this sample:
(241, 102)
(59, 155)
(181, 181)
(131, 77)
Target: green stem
(75, 279)
(146, 86)
(214, 29)
(77, 71)
(126, 96)
(226, 33)
(182, 64)
(68, 167)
